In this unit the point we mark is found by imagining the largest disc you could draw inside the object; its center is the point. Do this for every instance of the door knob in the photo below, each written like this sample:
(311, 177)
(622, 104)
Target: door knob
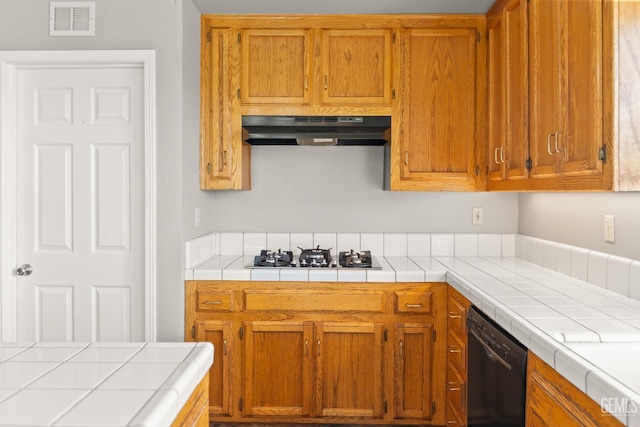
(24, 270)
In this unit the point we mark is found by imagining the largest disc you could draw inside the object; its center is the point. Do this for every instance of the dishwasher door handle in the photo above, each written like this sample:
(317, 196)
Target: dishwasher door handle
(491, 352)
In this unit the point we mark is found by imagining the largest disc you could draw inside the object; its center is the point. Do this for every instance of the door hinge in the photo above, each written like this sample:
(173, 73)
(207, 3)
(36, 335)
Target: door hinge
(393, 94)
(193, 331)
(384, 335)
(384, 406)
(433, 408)
(238, 94)
(393, 38)
(433, 335)
(240, 404)
(241, 332)
(602, 154)
(528, 164)
(478, 37)
(239, 38)
(209, 37)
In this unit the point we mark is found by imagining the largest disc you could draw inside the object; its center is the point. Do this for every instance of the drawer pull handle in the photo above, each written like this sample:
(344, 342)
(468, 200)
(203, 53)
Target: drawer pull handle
(453, 315)
(450, 387)
(402, 349)
(306, 347)
(213, 302)
(454, 350)
(224, 346)
(413, 305)
(318, 347)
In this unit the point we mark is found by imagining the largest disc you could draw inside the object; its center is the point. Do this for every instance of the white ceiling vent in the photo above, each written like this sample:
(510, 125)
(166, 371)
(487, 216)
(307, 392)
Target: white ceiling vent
(72, 18)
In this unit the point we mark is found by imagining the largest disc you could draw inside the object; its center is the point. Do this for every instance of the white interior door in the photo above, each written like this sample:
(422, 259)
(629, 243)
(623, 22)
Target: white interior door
(80, 204)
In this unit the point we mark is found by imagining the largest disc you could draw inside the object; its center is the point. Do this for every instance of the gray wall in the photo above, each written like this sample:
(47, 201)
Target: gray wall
(141, 24)
(339, 189)
(578, 219)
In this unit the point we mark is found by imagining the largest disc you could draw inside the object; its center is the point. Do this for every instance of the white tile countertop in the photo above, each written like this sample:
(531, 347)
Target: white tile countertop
(588, 333)
(99, 384)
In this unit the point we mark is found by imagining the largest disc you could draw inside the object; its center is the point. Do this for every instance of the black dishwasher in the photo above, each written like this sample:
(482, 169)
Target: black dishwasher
(497, 365)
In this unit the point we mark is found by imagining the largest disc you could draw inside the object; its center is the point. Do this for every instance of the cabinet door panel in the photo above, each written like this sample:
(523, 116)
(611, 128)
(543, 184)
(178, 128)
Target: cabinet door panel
(414, 369)
(219, 334)
(276, 66)
(277, 368)
(439, 106)
(356, 66)
(566, 87)
(216, 135)
(349, 369)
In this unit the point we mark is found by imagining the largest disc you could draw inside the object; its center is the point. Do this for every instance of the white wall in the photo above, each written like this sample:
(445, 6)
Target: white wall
(578, 219)
(141, 24)
(339, 189)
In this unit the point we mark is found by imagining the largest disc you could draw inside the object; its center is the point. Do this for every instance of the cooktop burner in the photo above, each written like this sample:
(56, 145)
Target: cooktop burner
(353, 259)
(314, 258)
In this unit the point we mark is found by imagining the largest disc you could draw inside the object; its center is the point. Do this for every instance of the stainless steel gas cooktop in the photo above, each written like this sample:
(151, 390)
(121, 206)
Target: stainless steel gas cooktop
(314, 258)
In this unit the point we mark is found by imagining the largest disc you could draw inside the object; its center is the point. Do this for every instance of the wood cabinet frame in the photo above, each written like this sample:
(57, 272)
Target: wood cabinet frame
(328, 324)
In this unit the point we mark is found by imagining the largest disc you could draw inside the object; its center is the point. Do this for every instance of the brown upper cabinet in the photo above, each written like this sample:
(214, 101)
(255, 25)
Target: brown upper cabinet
(316, 66)
(441, 146)
(571, 63)
(507, 29)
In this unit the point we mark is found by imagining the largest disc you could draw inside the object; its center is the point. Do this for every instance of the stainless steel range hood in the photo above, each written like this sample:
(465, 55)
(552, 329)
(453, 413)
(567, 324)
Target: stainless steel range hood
(316, 130)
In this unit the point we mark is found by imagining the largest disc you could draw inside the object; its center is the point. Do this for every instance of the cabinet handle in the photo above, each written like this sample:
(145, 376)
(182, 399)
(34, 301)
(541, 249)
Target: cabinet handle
(495, 155)
(306, 347)
(224, 346)
(318, 347)
(454, 350)
(306, 82)
(451, 388)
(406, 158)
(453, 315)
(556, 141)
(213, 302)
(502, 154)
(401, 348)
(549, 144)
(413, 305)
(326, 82)
(224, 157)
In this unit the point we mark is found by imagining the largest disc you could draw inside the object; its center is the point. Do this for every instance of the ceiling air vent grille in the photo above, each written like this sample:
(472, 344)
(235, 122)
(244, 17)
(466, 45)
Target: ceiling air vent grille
(72, 18)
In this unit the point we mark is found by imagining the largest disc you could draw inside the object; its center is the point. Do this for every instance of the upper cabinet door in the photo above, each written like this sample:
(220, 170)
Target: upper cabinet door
(566, 88)
(357, 66)
(276, 66)
(508, 95)
(437, 150)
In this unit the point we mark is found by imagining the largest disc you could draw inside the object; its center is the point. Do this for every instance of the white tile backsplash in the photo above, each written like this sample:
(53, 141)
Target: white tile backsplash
(489, 245)
(509, 245)
(536, 251)
(563, 259)
(326, 241)
(597, 269)
(395, 244)
(418, 244)
(579, 263)
(373, 242)
(231, 244)
(442, 245)
(618, 274)
(253, 243)
(634, 280)
(278, 241)
(348, 241)
(301, 240)
(549, 255)
(466, 245)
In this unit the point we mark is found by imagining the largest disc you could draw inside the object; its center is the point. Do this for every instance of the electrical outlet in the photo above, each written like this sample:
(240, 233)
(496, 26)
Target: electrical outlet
(478, 216)
(609, 229)
(197, 217)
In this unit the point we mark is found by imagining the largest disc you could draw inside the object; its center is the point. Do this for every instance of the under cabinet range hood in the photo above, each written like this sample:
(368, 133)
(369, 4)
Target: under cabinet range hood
(316, 130)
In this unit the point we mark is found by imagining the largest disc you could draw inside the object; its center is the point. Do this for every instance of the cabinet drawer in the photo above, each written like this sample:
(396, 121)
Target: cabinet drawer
(414, 302)
(457, 352)
(313, 300)
(214, 301)
(457, 317)
(456, 389)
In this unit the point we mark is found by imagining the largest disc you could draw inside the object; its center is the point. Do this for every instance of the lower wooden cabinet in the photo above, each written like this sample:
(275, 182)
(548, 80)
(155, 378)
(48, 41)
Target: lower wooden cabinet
(323, 352)
(553, 401)
(457, 306)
